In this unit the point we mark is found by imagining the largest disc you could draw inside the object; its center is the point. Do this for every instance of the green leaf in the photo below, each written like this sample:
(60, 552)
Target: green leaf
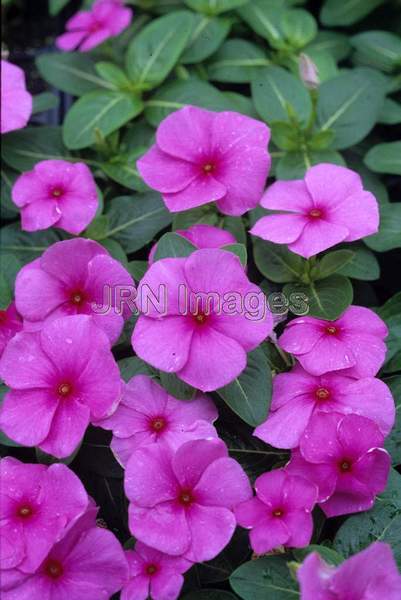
(381, 523)
(389, 234)
(175, 387)
(332, 262)
(239, 250)
(390, 113)
(299, 27)
(122, 169)
(235, 225)
(346, 12)
(173, 245)
(385, 158)
(113, 74)
(131, 366)
(138, 268)
(363, 265)
(205, 214)
(101, 112)
(177, 94)
(155, 50)
(264, 578)
(276, 262)
(378, 49)
(115, 250)
(71, 72)
(22, 149)
(249, 395)
(393, 441)
(327, 298)
(56, 6)
(274, 90)
(10, 265)
(329, 555)
(336, 44)
(350, 104)
(4, 440)
(26, 246)
(264, 18)
(237, 61)
(207, 35)
(43, 102)
(293, 165)
(210, 595)
(48, 459)
(214, 7)
(8, 209)
(135, 220)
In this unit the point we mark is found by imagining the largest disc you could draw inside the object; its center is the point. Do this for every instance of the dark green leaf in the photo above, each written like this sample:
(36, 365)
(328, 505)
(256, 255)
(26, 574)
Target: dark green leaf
(214, 7)
(10, 265)
(210, 595)
(26, 246)
(298, 26)
(8, 209)
(44, 101)
(4, 440)
(363, 265)
(329, 555)
(175, 387)
(332, 262)
(378, 49)
(237, 61)
(334, 43)
(138, 268)
(22, 149)
(249, 394)
(207, 35)
(264, 578)
(346, 12)
(173, 245)
(390, 113)
(131, 366)
(276, 262)
(239, 250)
(327, 298)
(393, 441)
(122, 169)
(113, 74)
(385, 158)
(101, 112)
(293, 165)
(264, 18)
(55, 6)
(389, 234)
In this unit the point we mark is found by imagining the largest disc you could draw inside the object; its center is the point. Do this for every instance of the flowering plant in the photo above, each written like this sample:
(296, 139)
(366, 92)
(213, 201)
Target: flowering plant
(200, 327)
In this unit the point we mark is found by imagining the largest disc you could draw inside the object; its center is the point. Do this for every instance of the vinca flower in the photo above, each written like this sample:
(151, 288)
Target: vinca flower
(10, 324)
(16, 101)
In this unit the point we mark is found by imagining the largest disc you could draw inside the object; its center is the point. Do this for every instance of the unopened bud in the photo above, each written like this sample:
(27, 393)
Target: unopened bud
(308, 72)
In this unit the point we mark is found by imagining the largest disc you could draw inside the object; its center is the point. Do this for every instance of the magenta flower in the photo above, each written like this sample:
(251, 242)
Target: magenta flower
(37, 505)
(10, 324)
(148, 415)
(202, 236)
(16, 101)
(343, 456)
(62, 377)
(368, 575)
(328, 207)
(202, 156)
(88, 562)
(74, 277)
(297, 396)
(280, 513)
(153, 574)
(88, 29)
(182, 502)
(353, 343)
(56, 193)
(207, 320)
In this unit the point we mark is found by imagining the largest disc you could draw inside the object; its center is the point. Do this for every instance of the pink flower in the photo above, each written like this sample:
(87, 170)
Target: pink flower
(202, 236)
(10, 324)
(37, 505)
(354, 342)
(343, 455)
(16, 101)
(205, 342)
(73, 277)
(202, 156)
(61, 378)
(297, 396)
(328, 207)
(88, 29)
(153, 574)
(182, 502)
(56, 193)
(280, 513)
(148, 415)
(368, 575)
(88, 562)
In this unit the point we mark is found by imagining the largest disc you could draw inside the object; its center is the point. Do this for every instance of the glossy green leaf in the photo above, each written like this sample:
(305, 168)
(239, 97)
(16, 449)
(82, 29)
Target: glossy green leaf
(276, 262)
(43, 102)
(173, 245)
(389, 234)
(298, 26)
(26, 246)
(346, 12)
(393, 441)
(132, 366)
(10, 265)
(237, 61)
(267, 577)
(113, 74)
(22, 149)
(385, 158)
(175, 387)
(56, 6)
(293, 165)
(264, 18)
(390, 113)
(332, 262)
(207, 35)
(378, 49)
(327, 298)
(363, 265)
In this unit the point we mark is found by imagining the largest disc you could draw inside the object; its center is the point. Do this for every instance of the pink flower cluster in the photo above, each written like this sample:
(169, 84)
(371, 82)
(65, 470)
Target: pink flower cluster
(331, 411)
(48, 537)
(87, 29)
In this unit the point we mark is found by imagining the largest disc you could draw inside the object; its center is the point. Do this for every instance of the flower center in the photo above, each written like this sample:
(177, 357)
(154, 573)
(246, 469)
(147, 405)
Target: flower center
(315, 213)
(345, 465)
(77, 298)
(331, 330)
(25, 511)
(158, 424)
(64, 389)
(185, 498)
(322, 394)
(208, 168)
(57, 192)
(151, 569)
(200, 318)
(278, 512)
(53, 568)
(3, 316)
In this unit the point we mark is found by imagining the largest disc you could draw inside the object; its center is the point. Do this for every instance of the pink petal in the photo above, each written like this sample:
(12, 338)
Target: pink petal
(358, 434)
(292, 196)
(67, 429)
(361, 320)
(320, 442)
(37, 294)
(369, 352)
(162, 172)
(69, 260)
(136, 589)
(223, 483)
(324, 476)
(280, 228)
(28, 188)
(300, 526)
(289, 386)
(202, 190)
(207, 236)
(249, 329)
(215, 270)
(95, 39)
(211, 529)
(209, 349)
(314, 577)
(24, 365)
(159, 290)
(251, 512)
(318, 235)
(299, 493)
(330, 184)
(71, 40)
(99, 383)
(359, 213)
(186, 413)
(269, 487)
(285, 426)
(166, 585)
(76, 212)
(191, 460)
(328, 354)
(173, 353)
(266, 536)
(186, 133)
(39, 215)
(301, 336)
